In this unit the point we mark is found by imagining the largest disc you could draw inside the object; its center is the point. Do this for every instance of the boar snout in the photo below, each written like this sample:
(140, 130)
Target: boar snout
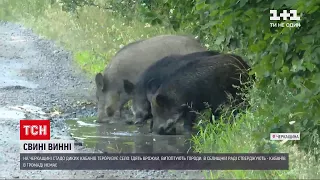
(102, 118)
(110, 112)
(167, 129)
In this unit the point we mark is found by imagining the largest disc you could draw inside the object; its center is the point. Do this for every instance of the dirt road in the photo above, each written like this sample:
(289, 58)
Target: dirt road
(36, 79)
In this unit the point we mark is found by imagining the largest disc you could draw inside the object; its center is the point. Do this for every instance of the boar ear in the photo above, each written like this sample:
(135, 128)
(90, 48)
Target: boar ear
(162, 100)
(153, 85)
(128, 86)
(99, 81)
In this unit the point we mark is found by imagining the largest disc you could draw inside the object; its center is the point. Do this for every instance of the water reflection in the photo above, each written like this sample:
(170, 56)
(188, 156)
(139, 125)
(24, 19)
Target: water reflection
(119, 137)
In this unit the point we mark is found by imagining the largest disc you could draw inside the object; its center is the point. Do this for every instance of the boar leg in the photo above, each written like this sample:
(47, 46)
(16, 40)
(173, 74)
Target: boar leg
(189, 121)
(188, 144)
(216, 114)
(151, 126)
(123, 101)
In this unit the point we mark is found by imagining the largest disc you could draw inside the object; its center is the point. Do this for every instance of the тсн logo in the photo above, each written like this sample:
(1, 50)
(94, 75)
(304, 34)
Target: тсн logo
(34, 129)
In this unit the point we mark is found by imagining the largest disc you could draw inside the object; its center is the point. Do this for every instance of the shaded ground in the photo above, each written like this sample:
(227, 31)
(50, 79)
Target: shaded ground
(39, 80)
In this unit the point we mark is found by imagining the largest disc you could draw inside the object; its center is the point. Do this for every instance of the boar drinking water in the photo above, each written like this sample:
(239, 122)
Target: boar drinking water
(155, 75)
(203, 81)
(129, 63)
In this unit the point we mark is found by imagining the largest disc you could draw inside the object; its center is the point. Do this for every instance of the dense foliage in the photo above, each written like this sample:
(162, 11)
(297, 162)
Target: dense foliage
(283, 58)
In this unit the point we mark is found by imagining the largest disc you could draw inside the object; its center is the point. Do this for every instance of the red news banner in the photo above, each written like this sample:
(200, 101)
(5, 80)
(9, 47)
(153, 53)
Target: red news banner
(39, 152)
(35, 138)
(34, 129)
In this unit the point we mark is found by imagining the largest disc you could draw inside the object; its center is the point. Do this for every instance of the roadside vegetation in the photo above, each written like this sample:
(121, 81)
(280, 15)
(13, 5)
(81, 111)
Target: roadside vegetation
(286, 93)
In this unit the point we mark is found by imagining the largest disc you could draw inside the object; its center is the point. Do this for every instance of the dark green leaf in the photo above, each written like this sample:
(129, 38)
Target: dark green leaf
(316, 78)
(243, 2)
(278, 63)
(209, 25)
(313, 9)
(285, 47)
(219, 40)
(308, 39)
(290, 3)
(214, 13)
(201, 6)
(310, 66)
(277, 4)
(285, 39)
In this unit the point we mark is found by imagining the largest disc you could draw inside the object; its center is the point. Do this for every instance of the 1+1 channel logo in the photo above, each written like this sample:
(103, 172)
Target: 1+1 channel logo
(292, 15)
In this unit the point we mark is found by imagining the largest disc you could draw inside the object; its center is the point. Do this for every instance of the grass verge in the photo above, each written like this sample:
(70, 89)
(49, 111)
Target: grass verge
(244, 136)
(239, 138)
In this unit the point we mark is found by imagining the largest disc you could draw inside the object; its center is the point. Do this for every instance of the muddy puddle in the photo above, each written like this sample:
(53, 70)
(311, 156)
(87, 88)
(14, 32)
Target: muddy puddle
(123, 138)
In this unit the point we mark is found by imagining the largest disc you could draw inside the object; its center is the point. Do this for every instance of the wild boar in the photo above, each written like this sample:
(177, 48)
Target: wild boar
(201, 82)
(156, 73)
(129, 63)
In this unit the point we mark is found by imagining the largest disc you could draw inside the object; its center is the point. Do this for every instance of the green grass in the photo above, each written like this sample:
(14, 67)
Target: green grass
(96, 35)
(239, 138)
(245, 136)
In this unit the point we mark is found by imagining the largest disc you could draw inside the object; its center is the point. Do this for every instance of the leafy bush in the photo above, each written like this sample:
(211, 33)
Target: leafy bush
(281, 57)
